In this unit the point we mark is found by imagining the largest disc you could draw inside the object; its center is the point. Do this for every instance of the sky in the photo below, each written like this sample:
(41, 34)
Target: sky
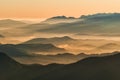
(48, 8)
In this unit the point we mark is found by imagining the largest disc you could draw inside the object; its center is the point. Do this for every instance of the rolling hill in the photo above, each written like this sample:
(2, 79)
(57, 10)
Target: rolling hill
(40, 48)
(30, 49)
(53, 40)
(93, 68)
(11, 23)
(12, 51)
(64, 58)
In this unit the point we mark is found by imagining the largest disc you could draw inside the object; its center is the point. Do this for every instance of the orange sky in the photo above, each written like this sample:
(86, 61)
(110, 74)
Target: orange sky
(49, 8)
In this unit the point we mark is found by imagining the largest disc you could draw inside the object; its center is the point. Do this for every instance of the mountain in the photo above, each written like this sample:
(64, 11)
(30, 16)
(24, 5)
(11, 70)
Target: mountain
(8, 66)
(10, 22)
(10, 28)
(109, 47)
(64, 58)
(30, 49)
(60, 19)
(11, 50)
(99, 16)
(53, 40)
(12, 70)
(40, 48)
(92, 68)
(97, 24)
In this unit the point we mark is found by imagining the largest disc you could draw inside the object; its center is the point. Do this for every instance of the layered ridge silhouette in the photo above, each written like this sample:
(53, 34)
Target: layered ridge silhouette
(92, 68)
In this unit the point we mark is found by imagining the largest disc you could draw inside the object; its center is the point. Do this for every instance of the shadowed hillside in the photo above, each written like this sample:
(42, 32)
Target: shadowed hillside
(22, 49)
(11, 50)
(92, 68)
(64, 58)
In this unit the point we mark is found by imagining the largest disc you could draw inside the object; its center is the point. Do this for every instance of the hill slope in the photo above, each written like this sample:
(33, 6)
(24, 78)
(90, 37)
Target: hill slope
(53, 40)
(93, 68)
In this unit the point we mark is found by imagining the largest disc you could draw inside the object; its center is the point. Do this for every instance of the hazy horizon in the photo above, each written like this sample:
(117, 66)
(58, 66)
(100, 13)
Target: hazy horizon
(59, 39)
(47, 8)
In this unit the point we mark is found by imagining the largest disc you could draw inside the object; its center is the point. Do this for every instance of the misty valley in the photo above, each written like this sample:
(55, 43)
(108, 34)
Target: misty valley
(61, 48)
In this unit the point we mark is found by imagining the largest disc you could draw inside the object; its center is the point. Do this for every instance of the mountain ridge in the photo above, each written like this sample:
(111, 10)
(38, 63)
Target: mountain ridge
(92, 68)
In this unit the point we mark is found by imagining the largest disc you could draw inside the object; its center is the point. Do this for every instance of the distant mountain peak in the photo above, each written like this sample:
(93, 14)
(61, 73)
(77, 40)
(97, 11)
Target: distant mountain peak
(10, 21)
(59, 17)
(62, 17)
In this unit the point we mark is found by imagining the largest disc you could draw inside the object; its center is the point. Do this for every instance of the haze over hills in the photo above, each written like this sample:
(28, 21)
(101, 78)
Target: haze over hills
(76, 46)
(36, 46)
(30, 49)
(108, 47)
(99, 24)
(40, 48)
(88, 69)
(59, 40)
(9, 29)
(11, 23)
(53, 40)
(63, 58)
(98, 16)
(92, 68)
(12, 51)
(37, 53)
(40, 54)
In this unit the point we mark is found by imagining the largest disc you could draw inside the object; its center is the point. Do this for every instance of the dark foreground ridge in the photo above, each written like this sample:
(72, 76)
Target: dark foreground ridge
(92, 68)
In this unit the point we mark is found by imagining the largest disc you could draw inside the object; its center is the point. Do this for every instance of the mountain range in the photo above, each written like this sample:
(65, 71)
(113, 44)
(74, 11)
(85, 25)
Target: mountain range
(106, 25)
(96, 25)
(99, 24)
(63, 58)
(22, 49)
(92, 68)
(53, 40)
(11, 50)
(7, 23)
(74, 45)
